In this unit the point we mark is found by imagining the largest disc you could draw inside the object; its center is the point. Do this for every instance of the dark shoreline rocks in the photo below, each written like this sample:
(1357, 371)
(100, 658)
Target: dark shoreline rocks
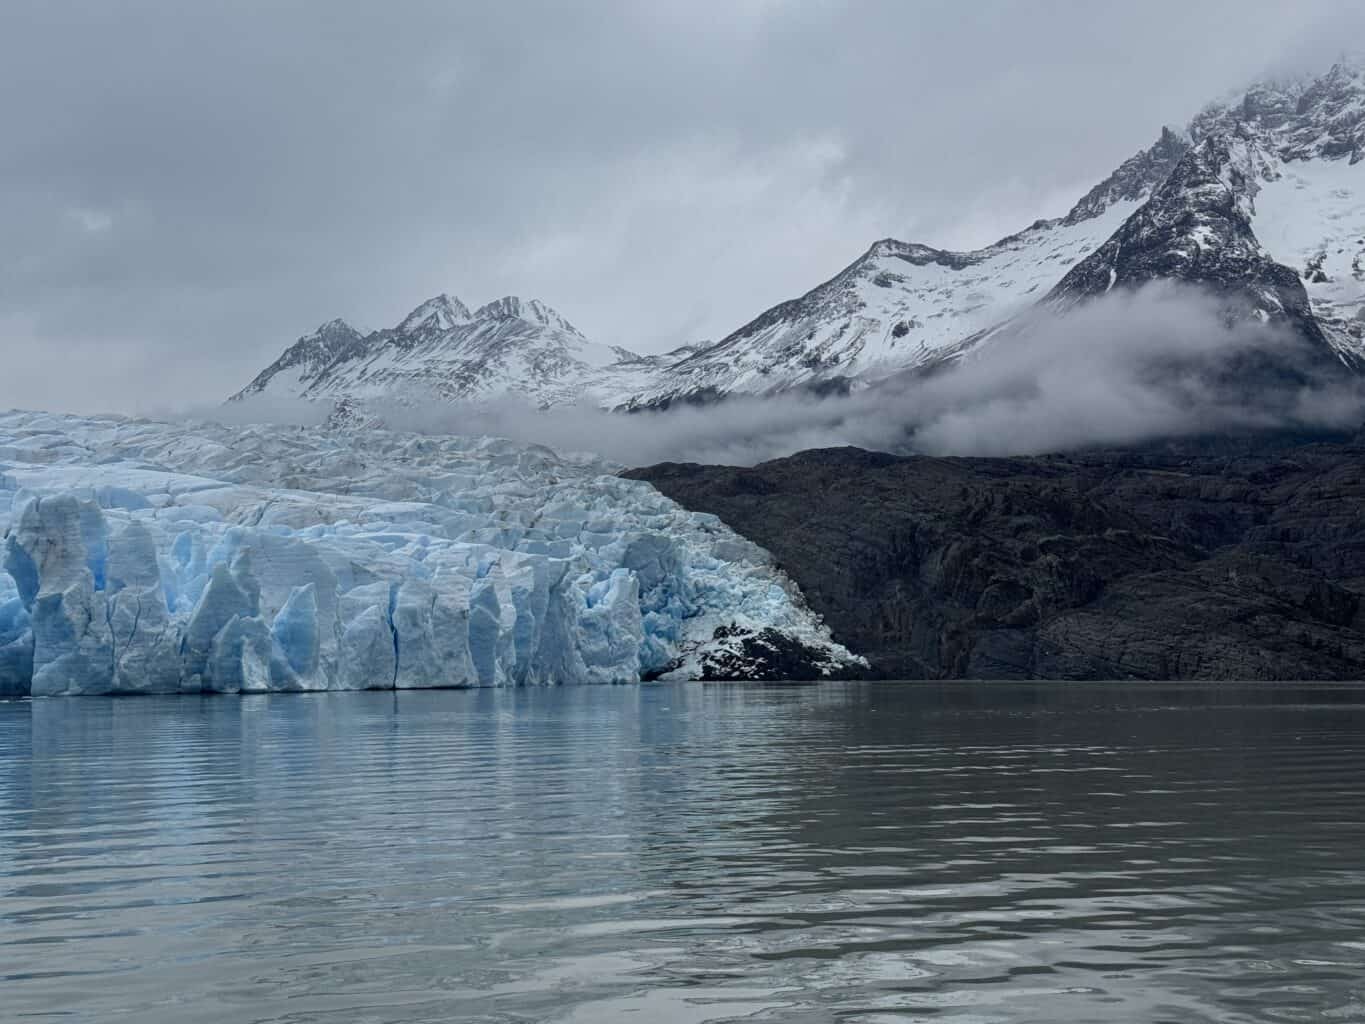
(1226, 561)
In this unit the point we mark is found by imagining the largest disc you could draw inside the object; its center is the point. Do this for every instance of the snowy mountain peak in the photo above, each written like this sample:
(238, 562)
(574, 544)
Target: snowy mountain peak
(1135, 178)
(916, 254)
(1267, 210)
(440, 313)
(511, 346)
(308, 357)
(1343, 78)
(1260, 198)
(511, 307)
(1300, 119)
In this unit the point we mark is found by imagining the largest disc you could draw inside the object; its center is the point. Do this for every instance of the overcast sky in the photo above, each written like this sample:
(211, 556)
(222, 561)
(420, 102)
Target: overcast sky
(186, 187)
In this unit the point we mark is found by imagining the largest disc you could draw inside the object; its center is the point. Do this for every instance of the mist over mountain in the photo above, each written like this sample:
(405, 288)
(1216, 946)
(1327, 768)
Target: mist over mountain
(1129, 367)
(1258, 206)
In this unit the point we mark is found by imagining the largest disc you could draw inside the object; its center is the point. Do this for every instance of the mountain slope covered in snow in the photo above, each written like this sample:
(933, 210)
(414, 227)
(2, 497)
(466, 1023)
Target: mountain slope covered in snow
(903, 305)
(1261, 200)
(441, 350)
(1267, 209)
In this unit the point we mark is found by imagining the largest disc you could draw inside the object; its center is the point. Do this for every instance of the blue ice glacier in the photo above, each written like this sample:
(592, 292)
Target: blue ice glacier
(144, 557)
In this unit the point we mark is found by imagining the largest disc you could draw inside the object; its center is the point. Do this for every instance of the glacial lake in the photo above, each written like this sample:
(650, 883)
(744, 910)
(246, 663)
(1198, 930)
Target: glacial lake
(680, 854)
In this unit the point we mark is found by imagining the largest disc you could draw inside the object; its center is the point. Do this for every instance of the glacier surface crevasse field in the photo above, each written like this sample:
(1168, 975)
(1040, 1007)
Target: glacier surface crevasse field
(145, 557)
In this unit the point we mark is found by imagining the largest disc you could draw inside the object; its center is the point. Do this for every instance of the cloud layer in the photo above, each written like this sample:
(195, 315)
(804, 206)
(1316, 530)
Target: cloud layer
(1129, 367)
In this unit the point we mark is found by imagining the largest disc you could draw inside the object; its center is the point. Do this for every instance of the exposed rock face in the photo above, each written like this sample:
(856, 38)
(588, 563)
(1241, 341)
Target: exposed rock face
(1134, 178)
(1149, 565)
(1197, 229)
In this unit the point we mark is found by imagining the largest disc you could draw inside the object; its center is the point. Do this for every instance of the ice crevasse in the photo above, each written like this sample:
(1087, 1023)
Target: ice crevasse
(145, 557)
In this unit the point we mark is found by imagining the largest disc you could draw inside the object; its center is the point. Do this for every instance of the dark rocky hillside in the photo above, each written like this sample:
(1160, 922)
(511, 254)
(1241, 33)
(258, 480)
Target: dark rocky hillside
(1141, 564)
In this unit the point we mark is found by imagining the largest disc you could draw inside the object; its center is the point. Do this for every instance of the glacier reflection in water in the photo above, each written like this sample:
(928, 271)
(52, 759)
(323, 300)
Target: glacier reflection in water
(881, 852)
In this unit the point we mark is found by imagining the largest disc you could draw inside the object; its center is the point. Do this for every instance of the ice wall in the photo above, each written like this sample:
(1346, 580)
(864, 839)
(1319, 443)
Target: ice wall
(143, 557)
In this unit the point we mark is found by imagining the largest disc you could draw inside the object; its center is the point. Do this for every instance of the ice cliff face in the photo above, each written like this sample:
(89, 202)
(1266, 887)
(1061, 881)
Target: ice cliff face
(142, 557)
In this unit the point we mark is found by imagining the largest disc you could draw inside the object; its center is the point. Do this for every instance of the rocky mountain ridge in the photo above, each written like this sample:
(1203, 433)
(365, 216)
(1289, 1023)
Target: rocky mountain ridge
(1222, 219)
(1139, 564)
(442, 351)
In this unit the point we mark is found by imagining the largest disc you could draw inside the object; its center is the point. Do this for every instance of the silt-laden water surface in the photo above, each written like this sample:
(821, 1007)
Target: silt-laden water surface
(852, 852)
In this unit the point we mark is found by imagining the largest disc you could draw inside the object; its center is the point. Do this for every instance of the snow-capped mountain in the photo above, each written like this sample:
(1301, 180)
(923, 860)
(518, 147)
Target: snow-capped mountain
(902, 305)
(1261, 199)
(1267, 208)
(510, 346)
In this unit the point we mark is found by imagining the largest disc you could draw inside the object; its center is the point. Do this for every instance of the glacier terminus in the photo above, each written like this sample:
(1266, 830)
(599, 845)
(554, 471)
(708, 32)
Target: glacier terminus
(144, 557)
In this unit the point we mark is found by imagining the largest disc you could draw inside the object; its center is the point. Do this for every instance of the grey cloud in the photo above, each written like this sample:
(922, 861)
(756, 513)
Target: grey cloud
(184, 188)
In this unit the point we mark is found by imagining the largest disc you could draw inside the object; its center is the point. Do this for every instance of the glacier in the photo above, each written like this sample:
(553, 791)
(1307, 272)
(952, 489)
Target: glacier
(152, 557)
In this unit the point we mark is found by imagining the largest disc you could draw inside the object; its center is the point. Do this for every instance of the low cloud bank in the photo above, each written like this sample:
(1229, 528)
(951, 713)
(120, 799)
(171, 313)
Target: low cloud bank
(1163, 362)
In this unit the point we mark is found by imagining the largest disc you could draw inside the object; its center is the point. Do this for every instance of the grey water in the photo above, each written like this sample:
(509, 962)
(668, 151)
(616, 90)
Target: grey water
(680, 854)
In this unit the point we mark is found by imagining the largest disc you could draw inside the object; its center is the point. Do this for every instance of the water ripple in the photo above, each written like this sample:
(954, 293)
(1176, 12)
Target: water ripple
(688, 854)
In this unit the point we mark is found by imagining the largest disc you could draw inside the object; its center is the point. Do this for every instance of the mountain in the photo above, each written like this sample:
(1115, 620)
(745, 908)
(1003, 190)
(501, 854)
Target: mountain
(511, 346)
(1267, 209)
(1138, 564)
(305, 360)
(1260, 199)
(902, 305)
